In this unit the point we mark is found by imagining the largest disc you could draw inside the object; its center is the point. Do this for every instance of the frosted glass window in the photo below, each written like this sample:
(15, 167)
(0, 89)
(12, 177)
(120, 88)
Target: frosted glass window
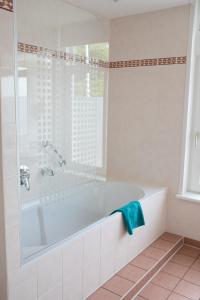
(89, 101)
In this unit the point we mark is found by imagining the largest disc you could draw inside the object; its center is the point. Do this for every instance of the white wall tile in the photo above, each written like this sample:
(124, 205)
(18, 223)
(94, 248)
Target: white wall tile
(3, 290)
(73, 287)
(91, 245)
(7, 94)
(8, 110)
(9, 135)
(13, 247)
(9, 163)
(91, 278)
(53, 294)
(72, 257)
(49, 269)
(23, 291)
(109, 234)
(107, 266)
(27, 271)
(11, 201)
(23, 283)
(9, 145)
(6, 36)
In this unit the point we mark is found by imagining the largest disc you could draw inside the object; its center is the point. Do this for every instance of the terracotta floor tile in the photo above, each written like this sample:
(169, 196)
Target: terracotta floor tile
(143, 262)
(175, 269)
(170, 237)
(184, 260)
(139, 298)
(131, 273)
(166, 281)
(188, 289)
(102, 294)
(196, 265)
(193, 276)
(153, 253)
(189, 251)
(162, 244)
(118, 285)
(154, 292)
(174, 296)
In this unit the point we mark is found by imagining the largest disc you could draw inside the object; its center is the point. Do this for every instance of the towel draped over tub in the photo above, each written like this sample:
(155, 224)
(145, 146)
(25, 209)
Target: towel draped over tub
(132, 215)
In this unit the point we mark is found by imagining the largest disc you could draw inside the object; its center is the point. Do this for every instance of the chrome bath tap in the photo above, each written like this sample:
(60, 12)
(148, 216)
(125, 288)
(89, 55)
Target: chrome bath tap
(25, 176)
(48, 146)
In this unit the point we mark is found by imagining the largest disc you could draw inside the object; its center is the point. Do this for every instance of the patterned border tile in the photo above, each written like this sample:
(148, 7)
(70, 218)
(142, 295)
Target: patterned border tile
(149, 62)
(7, 5)
(26, 48)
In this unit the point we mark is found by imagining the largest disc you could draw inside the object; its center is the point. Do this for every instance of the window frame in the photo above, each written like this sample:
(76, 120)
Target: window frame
(194, 27)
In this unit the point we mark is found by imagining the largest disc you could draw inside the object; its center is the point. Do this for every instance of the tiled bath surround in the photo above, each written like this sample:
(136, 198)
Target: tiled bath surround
(76, 268)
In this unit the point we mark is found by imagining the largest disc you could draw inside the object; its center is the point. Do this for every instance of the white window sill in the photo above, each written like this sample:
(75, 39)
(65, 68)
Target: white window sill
(188, 196)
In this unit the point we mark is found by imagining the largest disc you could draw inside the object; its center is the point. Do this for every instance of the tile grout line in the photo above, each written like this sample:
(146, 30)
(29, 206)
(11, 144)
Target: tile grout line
(110, 292)
(126, 278)
(180, 279)
(137, 294)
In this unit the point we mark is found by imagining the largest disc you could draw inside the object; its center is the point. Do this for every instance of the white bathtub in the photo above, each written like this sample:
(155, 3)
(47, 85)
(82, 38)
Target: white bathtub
(82, 246)
(62, 215)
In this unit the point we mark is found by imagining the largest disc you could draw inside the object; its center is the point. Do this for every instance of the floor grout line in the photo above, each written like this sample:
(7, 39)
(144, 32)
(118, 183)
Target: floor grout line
(127, 279)
(110, 291)
(164, 264)
(179, 278)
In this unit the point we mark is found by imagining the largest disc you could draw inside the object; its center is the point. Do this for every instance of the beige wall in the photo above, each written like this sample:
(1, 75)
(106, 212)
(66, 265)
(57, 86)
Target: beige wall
(146, 107)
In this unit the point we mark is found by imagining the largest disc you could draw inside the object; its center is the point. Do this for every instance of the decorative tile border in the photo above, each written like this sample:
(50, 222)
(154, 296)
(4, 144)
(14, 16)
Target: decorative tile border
(26, 48)
(7, 5)
(149, 62)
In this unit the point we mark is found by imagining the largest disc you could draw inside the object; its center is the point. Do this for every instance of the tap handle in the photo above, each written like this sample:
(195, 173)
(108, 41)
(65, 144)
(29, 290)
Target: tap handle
(24, 171)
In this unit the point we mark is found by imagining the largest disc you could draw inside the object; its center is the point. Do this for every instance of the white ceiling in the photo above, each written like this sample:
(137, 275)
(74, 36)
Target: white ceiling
(121, 8)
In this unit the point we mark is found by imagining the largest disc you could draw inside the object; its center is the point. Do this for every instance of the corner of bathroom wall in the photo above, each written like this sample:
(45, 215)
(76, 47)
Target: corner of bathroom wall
(9, 210)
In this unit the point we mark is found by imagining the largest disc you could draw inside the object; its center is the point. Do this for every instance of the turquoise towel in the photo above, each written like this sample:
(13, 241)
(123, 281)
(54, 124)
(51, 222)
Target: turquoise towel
(132, 215)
